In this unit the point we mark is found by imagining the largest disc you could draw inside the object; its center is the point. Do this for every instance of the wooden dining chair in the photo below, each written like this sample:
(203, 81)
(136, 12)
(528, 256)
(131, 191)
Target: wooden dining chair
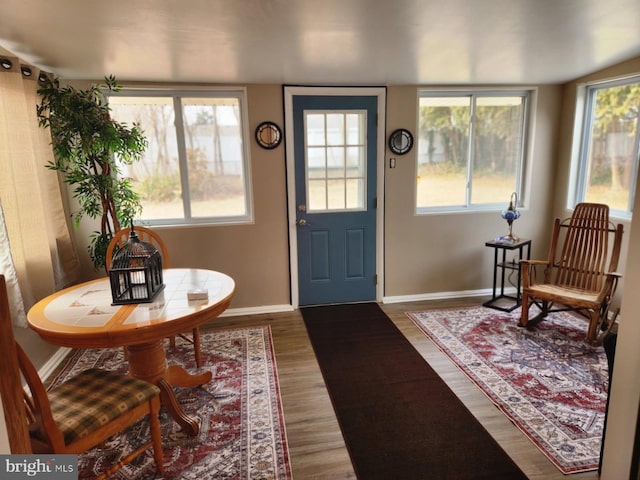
(78, 414)
(580, 271)
(152, 237)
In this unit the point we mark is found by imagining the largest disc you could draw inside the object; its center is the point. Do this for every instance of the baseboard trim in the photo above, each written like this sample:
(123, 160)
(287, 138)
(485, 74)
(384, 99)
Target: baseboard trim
(54, 362)
(486, 292)
(236, 312)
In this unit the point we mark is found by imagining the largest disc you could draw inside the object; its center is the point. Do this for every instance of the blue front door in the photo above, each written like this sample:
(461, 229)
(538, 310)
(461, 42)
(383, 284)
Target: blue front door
(335, 183)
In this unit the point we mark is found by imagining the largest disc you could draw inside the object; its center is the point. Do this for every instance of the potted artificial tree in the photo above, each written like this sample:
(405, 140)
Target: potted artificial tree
(88, 145)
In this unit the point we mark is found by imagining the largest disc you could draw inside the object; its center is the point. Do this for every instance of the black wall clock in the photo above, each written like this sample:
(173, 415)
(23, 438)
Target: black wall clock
(268, 135)
(401, 141)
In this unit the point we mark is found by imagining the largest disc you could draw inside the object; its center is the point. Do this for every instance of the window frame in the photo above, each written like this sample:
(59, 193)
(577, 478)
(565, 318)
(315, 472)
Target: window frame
(529, 96)
(177, 94)
(585, 107)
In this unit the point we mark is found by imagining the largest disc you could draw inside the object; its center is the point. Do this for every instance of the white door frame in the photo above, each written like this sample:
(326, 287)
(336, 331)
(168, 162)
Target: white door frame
(289, 93)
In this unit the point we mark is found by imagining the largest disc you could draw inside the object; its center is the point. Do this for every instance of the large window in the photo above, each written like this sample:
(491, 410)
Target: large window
(195, 168)
(471, 148)
(607, 168)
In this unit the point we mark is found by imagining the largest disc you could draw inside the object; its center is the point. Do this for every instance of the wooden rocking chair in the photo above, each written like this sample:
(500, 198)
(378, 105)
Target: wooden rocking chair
(579, 273)
(149, 236)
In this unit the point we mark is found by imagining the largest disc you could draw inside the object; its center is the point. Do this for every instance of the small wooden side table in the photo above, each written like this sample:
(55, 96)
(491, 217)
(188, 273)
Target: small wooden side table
(500, 262)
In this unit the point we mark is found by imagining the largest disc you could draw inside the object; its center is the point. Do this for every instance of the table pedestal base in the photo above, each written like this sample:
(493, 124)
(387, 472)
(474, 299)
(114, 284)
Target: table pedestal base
(148, 362)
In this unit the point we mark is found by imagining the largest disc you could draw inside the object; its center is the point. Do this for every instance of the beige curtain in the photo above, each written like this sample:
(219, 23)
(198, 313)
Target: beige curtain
(40, 243)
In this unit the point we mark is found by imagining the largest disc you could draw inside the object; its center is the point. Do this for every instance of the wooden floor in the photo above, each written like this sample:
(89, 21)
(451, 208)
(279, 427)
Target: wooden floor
(316, 446)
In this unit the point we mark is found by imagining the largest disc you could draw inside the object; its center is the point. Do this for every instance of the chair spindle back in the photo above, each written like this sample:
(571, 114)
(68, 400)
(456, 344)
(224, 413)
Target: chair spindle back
(583, 256)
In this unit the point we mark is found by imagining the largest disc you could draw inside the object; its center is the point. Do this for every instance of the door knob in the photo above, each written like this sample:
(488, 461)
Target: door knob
(302, 223)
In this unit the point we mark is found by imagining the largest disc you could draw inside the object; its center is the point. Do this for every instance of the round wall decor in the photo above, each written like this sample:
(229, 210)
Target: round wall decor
(401, 141)
(268, 135)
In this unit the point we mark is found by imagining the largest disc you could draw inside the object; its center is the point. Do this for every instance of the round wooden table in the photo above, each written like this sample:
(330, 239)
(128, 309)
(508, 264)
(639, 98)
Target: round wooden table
(82, 317)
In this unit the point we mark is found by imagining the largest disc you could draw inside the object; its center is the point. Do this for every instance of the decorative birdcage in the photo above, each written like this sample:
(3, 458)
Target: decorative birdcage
(136, 272)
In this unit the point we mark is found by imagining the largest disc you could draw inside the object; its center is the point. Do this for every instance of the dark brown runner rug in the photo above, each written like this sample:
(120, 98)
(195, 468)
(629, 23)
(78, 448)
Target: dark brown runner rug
(399, 418)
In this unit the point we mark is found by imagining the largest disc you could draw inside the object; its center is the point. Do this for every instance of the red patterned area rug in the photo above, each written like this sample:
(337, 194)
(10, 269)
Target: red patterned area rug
(242, 433)
(550, 383)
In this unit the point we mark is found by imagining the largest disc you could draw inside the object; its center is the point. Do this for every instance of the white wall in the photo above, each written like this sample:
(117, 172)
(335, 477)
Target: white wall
(625, 388)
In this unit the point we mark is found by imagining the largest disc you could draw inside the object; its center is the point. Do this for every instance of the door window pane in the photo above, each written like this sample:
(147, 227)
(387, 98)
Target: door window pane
(336, 194)
(315, 129)
(317, 195)
(335, 129)
(335, 156)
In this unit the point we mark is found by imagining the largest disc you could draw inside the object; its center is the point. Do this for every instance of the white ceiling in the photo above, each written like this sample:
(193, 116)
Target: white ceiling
(323, 42)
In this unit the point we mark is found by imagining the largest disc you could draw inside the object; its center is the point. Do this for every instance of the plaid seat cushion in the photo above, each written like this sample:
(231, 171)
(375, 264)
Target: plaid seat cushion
(93, 398)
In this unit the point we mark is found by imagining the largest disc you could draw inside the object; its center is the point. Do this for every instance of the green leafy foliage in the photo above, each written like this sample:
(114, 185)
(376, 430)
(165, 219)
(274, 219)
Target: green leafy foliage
(87, 145)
